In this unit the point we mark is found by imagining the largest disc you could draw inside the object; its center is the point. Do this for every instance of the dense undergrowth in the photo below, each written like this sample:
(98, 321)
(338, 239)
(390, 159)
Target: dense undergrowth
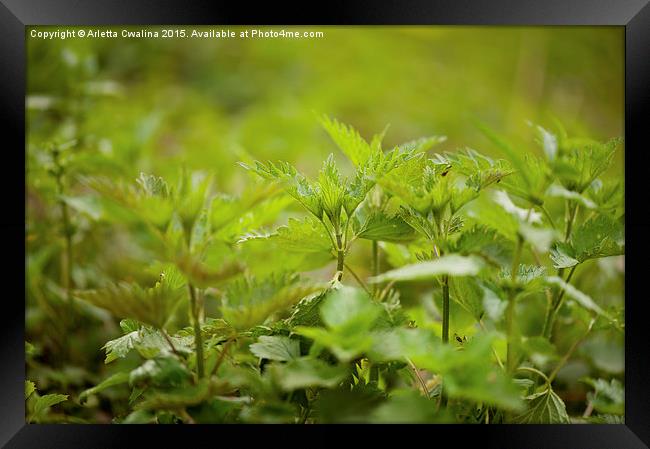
(419, 286)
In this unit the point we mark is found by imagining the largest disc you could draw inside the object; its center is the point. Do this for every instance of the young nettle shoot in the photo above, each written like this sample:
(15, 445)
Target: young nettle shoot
(332, 199)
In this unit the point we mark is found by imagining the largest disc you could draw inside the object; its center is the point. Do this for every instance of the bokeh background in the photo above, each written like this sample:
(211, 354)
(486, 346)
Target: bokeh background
(152, 105)
(156, 102)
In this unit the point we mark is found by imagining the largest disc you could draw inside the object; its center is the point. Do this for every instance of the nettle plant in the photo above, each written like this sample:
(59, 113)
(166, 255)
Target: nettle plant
(229, 328)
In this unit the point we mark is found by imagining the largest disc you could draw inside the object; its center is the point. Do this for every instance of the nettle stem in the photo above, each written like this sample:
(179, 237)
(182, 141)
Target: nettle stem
(445, 309)
(555, 304)
(198, 338)
(340, 253)
(554, 307)
(511, 358)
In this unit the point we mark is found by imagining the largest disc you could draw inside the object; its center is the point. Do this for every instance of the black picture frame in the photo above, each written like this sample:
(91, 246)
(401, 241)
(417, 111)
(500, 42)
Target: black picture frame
(633, 15)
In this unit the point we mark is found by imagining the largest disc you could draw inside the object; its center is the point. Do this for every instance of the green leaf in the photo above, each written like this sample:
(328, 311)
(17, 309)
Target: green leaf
(513, 155)
(522, 215)
(45, 402)
(408, 407)
(306, 372)
(383, 227)
(120, 347)
(548, 141)
(153, 185)
(161, 371)
(468, 294)
(30, 387)
(544, 408)
(472, 375)
(277, 348)
(307, 311)
(540, 238)
(250, 301)
(348, 140)
(147, 341)
(582, 162)
(254, 217)
(608, 397)
(422, 144)
(257, 205)
(560, 255)
(469, 374)
(349, 307)
(581, 298)
(348, 314)
(152, 305)
(115, 379)
(608, 195)
(493, 305)
(128, 325)
(200, 231)
(180, 397)
(332, 189)
(345, 405)
(600, 236)
(305, 235)
(294, 183)
(204, 275)
(480, 171)
(558, 191)
(452, 264)
(529, 280)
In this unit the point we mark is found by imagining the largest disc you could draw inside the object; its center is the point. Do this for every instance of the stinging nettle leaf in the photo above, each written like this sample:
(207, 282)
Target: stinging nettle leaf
(523, 215)
(45, 402)
(148, 305)
(115, 379)
(306, 372)
(452, 264)
(544, 408)
(581, 298)
(348, 140)
(278, 348)
(30, 387)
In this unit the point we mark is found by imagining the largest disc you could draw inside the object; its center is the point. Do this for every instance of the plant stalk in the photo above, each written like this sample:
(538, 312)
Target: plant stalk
(570, 352)
(224, 351)
(510, 310)
(556, 303)
(198, 338)
(445, 309)
(554, 307)
(340, 252)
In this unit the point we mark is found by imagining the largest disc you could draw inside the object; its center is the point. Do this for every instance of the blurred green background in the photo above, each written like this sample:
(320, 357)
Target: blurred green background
(150, 104)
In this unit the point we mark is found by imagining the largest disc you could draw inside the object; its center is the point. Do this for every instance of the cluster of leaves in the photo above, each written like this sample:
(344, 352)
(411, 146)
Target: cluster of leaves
(224, 324)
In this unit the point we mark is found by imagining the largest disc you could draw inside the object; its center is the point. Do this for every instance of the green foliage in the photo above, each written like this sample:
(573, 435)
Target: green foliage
(348, 315)
(275, 347)
(305, 372)
(597, 237)
(249, 302)
(38, 408)
(229, 313)
(544, 407)
(608, 398)
(453, 265)
(152, 305)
